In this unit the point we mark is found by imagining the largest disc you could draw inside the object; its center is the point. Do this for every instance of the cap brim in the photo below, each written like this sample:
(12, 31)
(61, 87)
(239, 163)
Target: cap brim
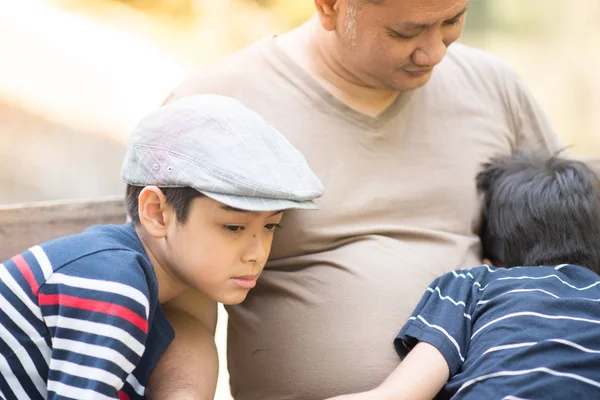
(247, 203)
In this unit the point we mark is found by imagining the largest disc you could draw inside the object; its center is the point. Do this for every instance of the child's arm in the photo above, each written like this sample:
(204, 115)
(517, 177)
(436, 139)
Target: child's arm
(189, 368)
(96, 310)
(421, 375)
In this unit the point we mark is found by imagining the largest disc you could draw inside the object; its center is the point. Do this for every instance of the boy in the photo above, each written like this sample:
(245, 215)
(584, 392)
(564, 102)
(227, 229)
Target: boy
(515, 332)
(207, 182)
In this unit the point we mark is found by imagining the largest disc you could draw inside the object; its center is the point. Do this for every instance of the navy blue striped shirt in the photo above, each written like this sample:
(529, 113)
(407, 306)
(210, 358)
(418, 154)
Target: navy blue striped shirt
(80, 318)
(518, 333)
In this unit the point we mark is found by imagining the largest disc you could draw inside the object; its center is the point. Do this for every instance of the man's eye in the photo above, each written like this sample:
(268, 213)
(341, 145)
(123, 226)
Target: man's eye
(399, 35)
(272, 227)
(234, 228)
(453, 22)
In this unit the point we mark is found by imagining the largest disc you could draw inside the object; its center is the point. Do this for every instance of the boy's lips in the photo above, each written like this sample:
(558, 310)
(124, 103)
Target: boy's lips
(246, 281)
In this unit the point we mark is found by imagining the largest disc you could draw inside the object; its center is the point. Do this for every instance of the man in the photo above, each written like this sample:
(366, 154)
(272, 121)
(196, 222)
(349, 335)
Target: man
(396, 124)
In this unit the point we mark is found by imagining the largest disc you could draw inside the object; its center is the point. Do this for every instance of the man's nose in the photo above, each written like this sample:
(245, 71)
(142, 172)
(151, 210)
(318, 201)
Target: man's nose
(431, 50)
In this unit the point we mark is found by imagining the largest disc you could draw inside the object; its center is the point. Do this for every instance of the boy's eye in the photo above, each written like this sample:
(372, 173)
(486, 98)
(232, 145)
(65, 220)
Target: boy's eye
(234, 228)
(272, 227)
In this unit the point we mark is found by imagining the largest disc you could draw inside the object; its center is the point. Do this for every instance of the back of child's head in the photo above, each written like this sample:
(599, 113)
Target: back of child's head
(214, 146)
(540, 210)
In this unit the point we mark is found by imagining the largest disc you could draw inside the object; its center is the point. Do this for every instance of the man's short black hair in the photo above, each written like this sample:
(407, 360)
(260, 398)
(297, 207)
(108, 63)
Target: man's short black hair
(540, 210)
(178, 198)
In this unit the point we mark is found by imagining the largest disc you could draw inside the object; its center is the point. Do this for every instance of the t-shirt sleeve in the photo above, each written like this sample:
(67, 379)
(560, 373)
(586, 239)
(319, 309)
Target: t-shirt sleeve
(442, 318)
(96, 310)
(532, 127)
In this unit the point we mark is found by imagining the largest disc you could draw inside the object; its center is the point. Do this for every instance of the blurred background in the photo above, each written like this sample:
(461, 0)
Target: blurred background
(76, 75)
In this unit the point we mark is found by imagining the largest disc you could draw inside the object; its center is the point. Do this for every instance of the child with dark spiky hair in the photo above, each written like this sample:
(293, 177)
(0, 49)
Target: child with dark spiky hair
(530, 327)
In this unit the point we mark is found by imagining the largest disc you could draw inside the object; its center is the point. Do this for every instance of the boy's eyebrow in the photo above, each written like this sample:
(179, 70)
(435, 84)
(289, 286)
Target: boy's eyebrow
(239, 210)
(412, 27)
(229, 208)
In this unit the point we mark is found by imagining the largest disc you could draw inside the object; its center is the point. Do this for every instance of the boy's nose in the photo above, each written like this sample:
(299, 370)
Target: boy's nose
(257, 250)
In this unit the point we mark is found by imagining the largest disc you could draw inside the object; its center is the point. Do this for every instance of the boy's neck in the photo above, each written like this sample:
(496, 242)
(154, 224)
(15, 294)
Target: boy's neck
(169, 286)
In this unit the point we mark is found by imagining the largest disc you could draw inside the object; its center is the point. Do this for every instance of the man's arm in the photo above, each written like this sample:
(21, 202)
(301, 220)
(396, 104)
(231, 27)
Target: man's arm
(189, 367)
(420, 376)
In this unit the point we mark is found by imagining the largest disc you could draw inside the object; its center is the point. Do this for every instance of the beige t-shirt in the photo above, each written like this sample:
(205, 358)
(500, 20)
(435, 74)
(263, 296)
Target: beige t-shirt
(400, 208)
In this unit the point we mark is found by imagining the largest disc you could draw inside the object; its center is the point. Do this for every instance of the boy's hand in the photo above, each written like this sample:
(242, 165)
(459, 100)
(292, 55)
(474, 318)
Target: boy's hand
(420, 376)
(370, 395)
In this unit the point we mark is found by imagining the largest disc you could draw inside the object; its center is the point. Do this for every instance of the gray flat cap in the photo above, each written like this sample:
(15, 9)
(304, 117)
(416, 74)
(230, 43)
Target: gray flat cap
(224, 150)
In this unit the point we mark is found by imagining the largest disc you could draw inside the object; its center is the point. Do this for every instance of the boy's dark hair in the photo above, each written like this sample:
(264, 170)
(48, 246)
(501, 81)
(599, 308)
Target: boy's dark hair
(179, 198)
(540, 210)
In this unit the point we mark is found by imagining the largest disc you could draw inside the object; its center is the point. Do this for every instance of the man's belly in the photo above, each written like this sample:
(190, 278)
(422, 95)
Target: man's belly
(327, 328)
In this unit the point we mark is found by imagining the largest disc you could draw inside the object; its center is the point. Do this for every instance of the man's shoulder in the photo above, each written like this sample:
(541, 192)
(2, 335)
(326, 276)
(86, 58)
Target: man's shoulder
(236, 72)
(478, 66)
(462, 54)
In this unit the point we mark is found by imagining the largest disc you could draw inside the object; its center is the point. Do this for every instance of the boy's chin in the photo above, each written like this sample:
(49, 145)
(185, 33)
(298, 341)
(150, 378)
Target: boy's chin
(233, 298)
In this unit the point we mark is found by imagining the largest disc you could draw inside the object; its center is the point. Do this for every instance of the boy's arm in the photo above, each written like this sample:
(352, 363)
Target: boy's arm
(98, 325)
(420, 376)
(189, 367)
(434, 340)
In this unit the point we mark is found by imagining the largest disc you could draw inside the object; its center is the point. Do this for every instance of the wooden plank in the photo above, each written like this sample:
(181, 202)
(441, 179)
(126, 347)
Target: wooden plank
(24, 225)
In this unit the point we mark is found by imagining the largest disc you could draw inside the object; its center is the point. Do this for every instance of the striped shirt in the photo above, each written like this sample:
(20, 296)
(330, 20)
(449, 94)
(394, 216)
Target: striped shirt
(80, 318)
(518, 333)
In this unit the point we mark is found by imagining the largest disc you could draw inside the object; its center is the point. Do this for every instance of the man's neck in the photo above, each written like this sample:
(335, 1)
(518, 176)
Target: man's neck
(305, 46)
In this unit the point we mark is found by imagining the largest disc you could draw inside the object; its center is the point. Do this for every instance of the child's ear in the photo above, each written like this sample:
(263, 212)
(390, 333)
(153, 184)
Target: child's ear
(488, 177)
(154, 211)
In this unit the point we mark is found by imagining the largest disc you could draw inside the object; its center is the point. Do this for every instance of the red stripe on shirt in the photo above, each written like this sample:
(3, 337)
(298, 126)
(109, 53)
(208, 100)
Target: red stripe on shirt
(123, 395)
(95, 306)
(26, 272)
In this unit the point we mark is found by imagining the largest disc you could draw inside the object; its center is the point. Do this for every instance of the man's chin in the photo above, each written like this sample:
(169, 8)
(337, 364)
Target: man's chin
(409, 82)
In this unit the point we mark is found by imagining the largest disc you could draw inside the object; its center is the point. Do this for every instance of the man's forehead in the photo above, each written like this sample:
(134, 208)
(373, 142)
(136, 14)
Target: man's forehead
(417, 11)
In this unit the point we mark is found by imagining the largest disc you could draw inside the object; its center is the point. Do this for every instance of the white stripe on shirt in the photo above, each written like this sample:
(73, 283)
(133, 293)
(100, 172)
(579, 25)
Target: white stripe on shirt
(93, 350)
(508, 347)
(439, 328)
(528, 371)
(96, 328)
(75, 393)
(575, 345)
(549, 276)
(18, 291)
(42, 260)
(88, 373)
(12, 380)
(533, 290)
(442, 297)
(24, 359)
(136, 385)
(18, 319)
(534, 314)
(102, 286)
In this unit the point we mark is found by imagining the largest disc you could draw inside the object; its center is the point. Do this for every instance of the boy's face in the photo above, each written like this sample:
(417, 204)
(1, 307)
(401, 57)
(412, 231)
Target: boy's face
(219, 250)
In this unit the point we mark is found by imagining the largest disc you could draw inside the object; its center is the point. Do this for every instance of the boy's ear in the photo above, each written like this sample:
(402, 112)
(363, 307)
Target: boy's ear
(328, 11)
(486, 178)
(154, 211)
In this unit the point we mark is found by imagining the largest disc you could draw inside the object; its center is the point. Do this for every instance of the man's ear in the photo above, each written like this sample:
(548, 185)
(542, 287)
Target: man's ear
(154, 211)
(328, 11)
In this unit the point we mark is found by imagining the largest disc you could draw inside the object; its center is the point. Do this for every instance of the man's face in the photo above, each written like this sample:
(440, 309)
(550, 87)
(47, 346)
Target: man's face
(395, 45)
(220, 251)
